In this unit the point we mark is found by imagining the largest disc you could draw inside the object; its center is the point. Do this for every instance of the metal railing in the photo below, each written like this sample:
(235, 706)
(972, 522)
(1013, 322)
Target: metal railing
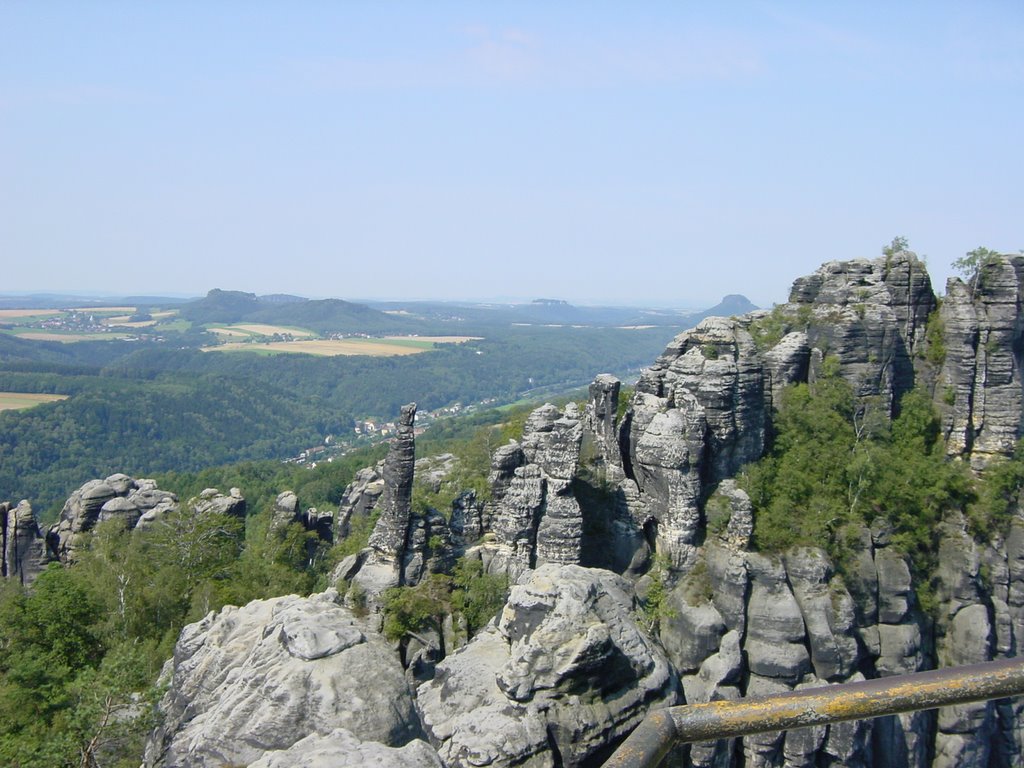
(666, 728)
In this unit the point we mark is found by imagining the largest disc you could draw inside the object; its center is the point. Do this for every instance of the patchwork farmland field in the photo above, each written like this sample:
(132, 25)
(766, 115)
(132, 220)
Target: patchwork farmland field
(16, 401)
(254, 330)
(23, 313)
(68, 337)
(382, 347)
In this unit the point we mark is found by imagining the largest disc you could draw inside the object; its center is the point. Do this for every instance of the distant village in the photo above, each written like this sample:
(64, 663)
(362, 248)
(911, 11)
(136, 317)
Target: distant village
(369, 431)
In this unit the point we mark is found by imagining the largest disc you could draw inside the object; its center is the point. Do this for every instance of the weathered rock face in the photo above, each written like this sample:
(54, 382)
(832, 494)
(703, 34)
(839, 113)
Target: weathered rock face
(137, 502)
(698, 414)
(563, 673)
(704, 408)
(743, 624)
(247, 681)
(341, 749)
(871, 317)
(391, 532)
(22, 546)
(534, 514)
(287, 511)
(211, 500)
(980, 383)
(359, 499)
(404, 546)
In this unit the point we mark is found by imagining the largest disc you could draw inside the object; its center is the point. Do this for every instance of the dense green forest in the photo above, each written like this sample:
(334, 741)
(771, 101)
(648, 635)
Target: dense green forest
(138, 427)
(148, 408)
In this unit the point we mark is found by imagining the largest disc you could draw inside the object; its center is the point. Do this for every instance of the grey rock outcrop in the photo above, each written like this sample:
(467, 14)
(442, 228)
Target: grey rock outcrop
(534, 514)
(391, 533)
(211, 500)
(22, 546)
(704, 408)
(403, 546)
(251, 680)
(359, 498)
(980, 385)
(565, 671)
(341, 749)
(287, 511)
(871, 316)
(698, 414)
(136, 502)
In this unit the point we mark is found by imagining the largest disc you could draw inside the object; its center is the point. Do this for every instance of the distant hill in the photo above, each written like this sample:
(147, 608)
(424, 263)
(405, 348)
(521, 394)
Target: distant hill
(320, 315)
(221, 307)
(558, 312)
(733, 304)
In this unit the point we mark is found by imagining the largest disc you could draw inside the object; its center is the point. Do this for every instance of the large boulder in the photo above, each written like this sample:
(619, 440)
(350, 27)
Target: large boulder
(245, 681)
(564, 673)
(342, 749)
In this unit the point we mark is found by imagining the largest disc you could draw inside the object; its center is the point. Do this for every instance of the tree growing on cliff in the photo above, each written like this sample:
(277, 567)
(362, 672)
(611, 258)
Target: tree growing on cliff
(411, 610)
(971, 264)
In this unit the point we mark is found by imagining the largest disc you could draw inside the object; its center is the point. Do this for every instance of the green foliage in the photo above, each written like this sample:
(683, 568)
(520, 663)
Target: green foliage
(696, 585)
(152, 409)
(768, 330)
(47, 638)
(140, 427)
(79, 652)
(972, 264)
(897, 246)
(717, 513)
(359, 529)
(998, 496)
(409, 610)
(470, 470)
(935, 340)
(478, 596)
(625, 397)
(655, 605)
(835, 463)
(113, 708)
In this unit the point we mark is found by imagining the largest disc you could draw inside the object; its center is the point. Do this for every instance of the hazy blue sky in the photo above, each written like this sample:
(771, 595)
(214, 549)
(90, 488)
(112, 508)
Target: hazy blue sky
(657, 153)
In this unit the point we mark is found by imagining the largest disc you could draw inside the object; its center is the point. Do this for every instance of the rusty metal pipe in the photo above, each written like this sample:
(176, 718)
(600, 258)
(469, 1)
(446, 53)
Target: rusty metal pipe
(663, 729)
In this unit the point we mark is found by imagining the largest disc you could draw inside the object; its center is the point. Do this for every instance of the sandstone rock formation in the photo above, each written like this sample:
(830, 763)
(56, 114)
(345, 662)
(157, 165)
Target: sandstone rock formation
(136, 502)
(533, 513)
(287, 511)
(403, 546)
(392, 530)
(22, 547)
(341, 749)
(980, 382)
(252, 680)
